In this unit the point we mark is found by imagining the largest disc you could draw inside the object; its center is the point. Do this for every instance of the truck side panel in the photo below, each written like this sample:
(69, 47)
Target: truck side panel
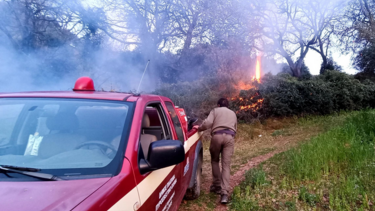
(196, 158)
(191, 143)
(119, 193)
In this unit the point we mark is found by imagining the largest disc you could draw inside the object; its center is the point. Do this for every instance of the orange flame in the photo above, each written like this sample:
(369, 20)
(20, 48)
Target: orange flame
(242, 86)
(250, 103)
(254, 106)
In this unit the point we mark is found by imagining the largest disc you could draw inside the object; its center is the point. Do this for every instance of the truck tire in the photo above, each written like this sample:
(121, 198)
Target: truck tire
(195, 191)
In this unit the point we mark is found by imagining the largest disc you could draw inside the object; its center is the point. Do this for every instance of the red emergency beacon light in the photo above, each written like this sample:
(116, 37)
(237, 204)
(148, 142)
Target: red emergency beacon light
(84, 84)
(183, 119)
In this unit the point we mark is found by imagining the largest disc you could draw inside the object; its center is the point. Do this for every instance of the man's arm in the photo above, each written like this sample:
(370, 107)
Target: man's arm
(207, 123)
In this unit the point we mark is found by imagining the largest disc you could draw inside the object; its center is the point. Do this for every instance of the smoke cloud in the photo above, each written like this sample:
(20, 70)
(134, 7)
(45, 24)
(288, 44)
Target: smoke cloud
(40, 53)
(43, 49)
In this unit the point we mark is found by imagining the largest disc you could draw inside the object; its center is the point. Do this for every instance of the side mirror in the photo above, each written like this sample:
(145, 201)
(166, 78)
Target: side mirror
(191, 123)
(162, 154)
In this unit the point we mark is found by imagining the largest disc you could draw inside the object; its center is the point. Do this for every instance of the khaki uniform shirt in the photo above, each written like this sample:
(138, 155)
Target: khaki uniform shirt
(219, 119)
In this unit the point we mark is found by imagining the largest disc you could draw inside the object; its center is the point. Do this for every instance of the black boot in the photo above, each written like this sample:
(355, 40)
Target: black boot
(215, 189)
(224, 199)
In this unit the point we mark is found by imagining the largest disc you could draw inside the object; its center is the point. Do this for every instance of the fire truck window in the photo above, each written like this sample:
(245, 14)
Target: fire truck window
(154, 128)
(156, 124)
(8, 118)
(153, 125)
(47, 111)
(58, 133)
(176, 121)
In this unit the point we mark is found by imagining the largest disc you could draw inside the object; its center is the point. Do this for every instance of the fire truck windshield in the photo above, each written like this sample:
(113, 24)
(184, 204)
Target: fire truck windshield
(64, 137)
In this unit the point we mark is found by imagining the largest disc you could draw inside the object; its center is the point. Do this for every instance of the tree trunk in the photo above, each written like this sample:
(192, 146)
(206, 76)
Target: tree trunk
(294, 67)
(296, 70)
(188, 40)
(189, 36)
(324, 64)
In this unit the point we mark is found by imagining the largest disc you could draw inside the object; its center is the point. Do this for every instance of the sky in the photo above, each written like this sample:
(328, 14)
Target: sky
(313, 61)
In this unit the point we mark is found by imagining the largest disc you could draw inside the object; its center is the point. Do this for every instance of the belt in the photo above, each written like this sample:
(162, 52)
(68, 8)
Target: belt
(217, 133)
(228, 132)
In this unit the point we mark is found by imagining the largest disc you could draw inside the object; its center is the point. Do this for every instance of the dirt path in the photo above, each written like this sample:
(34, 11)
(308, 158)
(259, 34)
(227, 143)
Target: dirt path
(235, 179)
(239, 176)
(280, 144)
(254, 145)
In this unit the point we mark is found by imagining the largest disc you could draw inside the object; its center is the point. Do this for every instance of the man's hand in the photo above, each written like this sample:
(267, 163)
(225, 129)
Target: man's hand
(198, 124)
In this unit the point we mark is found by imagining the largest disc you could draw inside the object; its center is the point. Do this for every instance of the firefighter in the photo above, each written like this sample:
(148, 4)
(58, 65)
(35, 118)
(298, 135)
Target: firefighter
(222, 122)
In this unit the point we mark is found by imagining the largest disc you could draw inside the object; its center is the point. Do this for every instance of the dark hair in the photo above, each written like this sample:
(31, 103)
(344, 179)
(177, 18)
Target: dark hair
(223, 102)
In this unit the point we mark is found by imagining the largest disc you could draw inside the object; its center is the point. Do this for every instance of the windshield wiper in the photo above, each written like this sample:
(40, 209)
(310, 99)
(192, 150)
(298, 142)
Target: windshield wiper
(20, 168)
(31, 172)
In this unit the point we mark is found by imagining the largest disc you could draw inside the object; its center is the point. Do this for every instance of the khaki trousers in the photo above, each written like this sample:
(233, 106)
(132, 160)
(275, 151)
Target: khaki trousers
(221, 144)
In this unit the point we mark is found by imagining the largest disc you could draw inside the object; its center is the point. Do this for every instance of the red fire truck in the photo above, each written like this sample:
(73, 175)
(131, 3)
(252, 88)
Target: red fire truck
(94, 150)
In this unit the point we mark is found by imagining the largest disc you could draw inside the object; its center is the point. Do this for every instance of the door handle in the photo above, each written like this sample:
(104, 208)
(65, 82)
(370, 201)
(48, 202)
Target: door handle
(136, 206)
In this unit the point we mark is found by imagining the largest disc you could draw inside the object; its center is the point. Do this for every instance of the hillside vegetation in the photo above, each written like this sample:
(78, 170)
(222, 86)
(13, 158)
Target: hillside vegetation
(283, 95)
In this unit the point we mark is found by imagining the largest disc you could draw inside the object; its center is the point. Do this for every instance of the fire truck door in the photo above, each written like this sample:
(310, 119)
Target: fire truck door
(159, 190)
(186, 165)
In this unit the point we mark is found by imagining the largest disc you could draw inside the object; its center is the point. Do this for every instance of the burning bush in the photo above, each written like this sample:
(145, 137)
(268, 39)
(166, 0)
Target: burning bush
(248, 105)
(277, 95)
(284, 95)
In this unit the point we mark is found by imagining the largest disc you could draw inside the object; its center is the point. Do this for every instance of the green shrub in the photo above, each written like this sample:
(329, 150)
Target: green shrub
(331, 92)
(283, 95)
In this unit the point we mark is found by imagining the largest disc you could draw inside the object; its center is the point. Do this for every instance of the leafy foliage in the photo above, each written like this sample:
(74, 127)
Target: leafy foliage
(365, 60)
(305, 72)
(331, 92)
(331, 65)
(283, 95)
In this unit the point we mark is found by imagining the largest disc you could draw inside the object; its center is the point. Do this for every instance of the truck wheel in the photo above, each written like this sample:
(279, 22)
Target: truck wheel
(194, 192)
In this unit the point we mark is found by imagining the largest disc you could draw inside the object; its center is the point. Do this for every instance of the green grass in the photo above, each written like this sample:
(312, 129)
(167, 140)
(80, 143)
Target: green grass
(205, 201)
(256, 178)
(333, 171)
